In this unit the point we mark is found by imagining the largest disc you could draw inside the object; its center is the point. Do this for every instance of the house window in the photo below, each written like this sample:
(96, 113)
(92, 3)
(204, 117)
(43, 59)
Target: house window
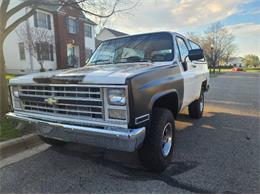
(72, 25)
(44, 51)
(21, 51)
(88, 31)
(42, 20)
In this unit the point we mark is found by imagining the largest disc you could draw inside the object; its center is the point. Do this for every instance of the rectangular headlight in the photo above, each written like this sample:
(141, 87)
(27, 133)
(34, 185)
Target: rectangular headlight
(15, 91)
(117, 114)
(117, 97)
(15, 97)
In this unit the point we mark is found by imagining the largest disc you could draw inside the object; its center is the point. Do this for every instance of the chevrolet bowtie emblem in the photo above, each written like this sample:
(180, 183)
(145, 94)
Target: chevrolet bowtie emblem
(50, 101)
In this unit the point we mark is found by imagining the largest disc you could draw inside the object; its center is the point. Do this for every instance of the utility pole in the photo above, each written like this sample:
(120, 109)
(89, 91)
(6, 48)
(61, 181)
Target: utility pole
(212, 56)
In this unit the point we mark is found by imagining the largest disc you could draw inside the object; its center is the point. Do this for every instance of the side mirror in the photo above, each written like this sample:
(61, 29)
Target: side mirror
(196, 54)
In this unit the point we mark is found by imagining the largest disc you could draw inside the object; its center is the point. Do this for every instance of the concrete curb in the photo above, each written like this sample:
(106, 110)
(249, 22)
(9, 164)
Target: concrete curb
(14, 146)
(23, 155)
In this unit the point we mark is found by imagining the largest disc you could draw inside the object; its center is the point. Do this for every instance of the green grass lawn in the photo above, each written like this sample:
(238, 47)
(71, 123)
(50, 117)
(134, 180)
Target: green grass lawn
(253, 70)
(8, 129)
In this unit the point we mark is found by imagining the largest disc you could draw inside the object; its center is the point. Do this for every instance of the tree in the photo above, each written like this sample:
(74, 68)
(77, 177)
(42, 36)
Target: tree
(251, 60)
(231, 49)
(197, 38)
(90, 7)
(38, 42)
(217, 43)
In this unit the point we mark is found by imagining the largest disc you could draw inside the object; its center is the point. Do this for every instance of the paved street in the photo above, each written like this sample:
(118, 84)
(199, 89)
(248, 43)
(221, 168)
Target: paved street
(218, 153)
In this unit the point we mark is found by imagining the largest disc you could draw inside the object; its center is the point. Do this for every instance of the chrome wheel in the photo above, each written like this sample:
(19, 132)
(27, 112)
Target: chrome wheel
(167, 139)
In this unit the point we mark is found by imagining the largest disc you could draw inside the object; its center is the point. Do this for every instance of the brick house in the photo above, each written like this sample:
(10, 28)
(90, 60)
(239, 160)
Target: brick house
(73, 34)
(74, 40)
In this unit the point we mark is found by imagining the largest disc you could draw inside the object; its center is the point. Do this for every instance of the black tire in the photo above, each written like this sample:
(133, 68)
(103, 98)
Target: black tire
(151, 153)
(53, 142)
(196, 108)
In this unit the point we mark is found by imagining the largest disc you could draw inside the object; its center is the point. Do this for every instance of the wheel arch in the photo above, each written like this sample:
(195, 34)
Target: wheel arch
(167, 99)
(204, 86)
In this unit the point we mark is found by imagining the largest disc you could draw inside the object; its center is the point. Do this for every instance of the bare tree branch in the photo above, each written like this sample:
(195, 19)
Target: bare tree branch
(37, 42)
(20, 7)
(3, 8)
(12, 26)
(95, 14)
(129, 8)
(114, 9)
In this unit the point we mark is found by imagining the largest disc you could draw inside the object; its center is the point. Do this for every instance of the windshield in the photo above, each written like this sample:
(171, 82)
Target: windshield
(156, 47)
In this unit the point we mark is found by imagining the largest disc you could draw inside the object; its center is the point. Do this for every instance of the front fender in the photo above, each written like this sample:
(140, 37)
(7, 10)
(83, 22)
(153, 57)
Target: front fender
(147, 87)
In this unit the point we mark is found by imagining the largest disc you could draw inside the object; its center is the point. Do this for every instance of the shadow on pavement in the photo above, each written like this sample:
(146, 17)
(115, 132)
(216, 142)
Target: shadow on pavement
(214, 126)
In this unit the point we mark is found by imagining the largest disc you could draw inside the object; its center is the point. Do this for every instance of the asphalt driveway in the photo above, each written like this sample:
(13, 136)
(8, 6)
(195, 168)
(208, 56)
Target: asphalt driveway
(218, 153)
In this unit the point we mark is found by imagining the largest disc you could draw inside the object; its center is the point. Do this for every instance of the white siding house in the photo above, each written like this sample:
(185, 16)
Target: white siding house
(17, 55)
(236, 62)
(90, 44)
(21, 59)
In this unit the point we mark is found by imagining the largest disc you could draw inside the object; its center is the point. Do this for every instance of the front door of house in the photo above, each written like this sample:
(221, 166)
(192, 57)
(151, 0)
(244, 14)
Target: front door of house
(73, 55)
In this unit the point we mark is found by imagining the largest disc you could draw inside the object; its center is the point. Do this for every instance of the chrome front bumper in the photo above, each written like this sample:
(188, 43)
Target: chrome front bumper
(119, 139)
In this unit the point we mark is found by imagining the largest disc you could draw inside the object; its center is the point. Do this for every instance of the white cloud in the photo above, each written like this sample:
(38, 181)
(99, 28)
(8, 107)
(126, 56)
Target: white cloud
(255, 12)
(202, 12)
(153, 15)
(247, 37)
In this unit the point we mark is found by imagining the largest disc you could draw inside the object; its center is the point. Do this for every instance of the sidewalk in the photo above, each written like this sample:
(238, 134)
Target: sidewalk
(20, 148)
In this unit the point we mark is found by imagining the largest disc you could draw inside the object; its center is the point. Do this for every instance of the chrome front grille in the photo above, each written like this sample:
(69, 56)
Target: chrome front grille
(69, 101)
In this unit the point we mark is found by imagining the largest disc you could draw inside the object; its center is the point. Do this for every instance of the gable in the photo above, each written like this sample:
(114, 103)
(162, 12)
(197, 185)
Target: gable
(105, 34)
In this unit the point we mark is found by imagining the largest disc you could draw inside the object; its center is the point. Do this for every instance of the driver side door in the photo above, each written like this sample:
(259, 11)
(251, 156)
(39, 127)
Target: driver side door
(188, 71)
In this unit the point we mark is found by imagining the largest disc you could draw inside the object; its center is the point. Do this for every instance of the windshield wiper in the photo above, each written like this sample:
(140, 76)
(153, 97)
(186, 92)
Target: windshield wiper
(118, 62)
(101, 62)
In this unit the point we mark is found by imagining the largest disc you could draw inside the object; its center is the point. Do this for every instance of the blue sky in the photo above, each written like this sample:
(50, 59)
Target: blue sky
(250, 12)
(241, 17)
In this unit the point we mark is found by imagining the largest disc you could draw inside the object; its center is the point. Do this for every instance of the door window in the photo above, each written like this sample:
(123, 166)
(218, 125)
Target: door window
(183, 51)
(72, 55)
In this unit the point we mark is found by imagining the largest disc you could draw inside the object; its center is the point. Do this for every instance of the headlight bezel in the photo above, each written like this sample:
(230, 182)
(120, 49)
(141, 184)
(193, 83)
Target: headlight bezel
(121, 104)
(15, 99)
